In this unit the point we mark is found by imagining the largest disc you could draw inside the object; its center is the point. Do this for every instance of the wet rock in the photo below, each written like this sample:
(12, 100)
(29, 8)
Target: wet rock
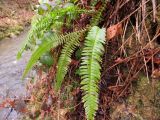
(11, 70)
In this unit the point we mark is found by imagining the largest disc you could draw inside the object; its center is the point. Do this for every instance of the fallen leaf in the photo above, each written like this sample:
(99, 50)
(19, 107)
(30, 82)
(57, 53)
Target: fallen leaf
(156, 74)
(7, 103)
(74, 62)
(75, 91)
(116, 88)
(119, 60)
(63, 113)
(114, 31)
(98, 5)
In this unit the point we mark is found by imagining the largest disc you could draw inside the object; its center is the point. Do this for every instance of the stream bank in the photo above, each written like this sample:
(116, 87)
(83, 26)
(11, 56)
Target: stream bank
(11, 84)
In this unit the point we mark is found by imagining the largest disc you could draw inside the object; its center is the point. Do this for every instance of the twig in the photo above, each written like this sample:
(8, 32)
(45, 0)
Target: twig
(154, 10)
(6, 118)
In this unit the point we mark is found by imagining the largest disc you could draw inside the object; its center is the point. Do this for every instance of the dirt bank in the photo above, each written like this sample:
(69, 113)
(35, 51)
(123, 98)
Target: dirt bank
(14, 16)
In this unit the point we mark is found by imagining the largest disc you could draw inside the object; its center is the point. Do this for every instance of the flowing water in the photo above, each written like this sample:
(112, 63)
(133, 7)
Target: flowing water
(11, 85)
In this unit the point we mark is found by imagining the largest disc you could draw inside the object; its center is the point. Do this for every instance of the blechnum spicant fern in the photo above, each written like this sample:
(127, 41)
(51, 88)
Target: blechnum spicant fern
(65, 59)
(43, 23)
(51, 41)
(90, 69)
(47, 28)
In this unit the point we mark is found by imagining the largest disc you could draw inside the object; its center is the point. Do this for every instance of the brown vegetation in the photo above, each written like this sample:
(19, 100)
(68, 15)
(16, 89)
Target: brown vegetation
(14, 15)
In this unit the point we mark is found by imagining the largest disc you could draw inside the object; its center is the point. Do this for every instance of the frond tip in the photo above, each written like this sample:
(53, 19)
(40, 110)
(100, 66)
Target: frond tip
(90, 69)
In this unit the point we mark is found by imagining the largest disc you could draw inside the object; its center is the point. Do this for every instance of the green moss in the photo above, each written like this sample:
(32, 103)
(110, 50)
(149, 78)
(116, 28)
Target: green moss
(10, 31)
(145, 98)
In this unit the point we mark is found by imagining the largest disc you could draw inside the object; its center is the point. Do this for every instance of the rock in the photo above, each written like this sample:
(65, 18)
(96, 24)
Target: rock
(13, 35)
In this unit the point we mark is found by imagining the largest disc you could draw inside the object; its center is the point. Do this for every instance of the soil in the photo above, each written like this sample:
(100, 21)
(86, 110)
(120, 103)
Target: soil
(14, 16)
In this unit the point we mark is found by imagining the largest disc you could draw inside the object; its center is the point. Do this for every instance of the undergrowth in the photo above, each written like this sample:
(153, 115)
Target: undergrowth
(102, 34)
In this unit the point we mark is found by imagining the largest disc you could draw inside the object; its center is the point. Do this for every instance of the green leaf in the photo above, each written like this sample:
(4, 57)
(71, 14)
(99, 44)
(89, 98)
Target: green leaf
(65, 59)
(46, 46)
(90, 69)
(51, 41)
(41, 24)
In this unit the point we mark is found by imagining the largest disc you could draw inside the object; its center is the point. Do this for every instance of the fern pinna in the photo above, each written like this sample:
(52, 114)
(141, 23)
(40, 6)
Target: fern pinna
(90, 69)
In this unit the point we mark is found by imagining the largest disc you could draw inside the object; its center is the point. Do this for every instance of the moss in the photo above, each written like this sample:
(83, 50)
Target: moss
(10, 31)
(145, 98)
(143, 103)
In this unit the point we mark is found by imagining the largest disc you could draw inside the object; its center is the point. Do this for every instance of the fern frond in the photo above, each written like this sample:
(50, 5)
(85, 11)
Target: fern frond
(44, 23)
(90, 69)
(30, 37)
(65, 59)
(97, 18)
(51, 41)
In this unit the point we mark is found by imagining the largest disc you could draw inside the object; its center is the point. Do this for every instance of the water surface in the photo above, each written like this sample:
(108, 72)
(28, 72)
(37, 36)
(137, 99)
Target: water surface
(11, 85)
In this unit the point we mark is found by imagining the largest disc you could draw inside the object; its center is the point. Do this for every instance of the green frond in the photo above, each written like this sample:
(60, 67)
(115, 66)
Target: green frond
(51, 41)
(44, 23)
(46, 46)
(93, 2)
(33, 31)
(90, 69)
(65, 59)
(97, 18)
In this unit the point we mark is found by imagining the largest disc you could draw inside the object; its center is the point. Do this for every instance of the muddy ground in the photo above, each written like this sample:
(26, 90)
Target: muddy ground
(14, 16)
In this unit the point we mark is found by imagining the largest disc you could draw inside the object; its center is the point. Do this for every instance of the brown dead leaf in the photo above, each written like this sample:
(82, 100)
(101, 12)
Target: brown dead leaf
(63, 113)
(98, 5)
(75, 91)
(114, 31)
(74, 62)
(156, 73)
(117, 88)
(119, 60)
(7, 103)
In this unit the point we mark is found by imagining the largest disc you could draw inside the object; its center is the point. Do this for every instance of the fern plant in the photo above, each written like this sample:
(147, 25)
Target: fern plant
(51, 41)
(45, 23)
(65, 59)
(90, 69)
(92, 52)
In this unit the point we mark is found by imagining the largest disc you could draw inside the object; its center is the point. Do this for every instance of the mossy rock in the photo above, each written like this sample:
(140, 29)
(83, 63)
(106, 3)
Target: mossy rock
(146, 94)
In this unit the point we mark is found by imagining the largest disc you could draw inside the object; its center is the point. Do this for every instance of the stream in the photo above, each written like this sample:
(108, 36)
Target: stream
(11, 70)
